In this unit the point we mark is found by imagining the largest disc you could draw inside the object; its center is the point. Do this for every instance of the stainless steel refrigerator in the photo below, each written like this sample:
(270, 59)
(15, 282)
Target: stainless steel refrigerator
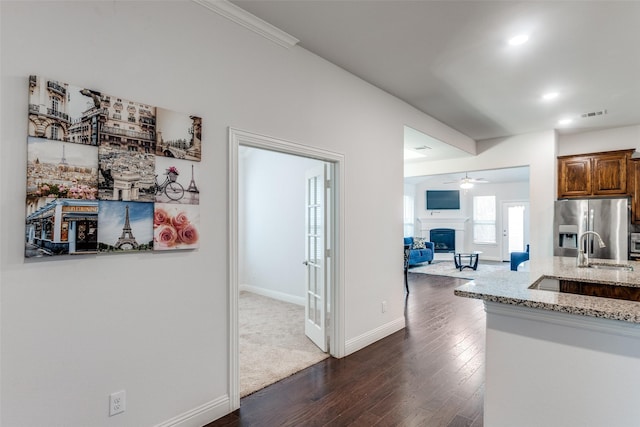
(608, 217)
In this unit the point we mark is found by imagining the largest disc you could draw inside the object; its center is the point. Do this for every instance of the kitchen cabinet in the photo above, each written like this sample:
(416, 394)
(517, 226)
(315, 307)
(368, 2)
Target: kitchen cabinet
(634, 182)
(574, 176)
(618, 291)
(594, 174)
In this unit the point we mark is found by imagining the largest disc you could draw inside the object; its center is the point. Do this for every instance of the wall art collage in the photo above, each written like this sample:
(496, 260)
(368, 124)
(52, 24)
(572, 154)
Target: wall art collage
(108, 175)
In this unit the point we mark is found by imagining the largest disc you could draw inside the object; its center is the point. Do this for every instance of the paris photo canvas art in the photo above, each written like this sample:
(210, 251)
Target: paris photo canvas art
(126, 154)
(62, 185)
(177, 181)
(97, 166)
(176, 221)
(125, 226)
(179, 135)
(176, 227)
(63, 112)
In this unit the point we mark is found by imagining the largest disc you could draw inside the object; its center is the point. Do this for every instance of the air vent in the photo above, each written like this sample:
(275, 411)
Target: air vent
(593, 114)
(424, 147)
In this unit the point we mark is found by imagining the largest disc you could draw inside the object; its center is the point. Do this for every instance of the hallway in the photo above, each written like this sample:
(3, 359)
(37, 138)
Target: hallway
(429, 374)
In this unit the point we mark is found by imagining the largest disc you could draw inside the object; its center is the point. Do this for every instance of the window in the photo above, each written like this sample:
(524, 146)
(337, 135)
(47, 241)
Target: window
(484, 219)
(408, 216)
(55, 128)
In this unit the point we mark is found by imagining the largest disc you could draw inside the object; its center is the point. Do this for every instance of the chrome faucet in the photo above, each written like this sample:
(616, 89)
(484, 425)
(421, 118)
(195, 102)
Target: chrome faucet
(583, 257)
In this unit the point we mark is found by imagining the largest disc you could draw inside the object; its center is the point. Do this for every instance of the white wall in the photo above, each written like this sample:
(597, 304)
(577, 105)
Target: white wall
(75, 330)
(621, 138)
(272, 229)
(536, 150)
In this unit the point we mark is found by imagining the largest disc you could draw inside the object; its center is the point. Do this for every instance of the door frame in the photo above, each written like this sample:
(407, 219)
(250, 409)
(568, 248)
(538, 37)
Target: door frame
(239, 138)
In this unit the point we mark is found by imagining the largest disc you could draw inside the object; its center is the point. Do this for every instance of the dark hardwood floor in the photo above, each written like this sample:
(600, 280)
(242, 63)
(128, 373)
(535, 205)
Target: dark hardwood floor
(429, 374)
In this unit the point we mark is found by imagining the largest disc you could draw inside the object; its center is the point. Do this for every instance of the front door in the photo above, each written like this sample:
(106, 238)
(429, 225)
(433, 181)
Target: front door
(317, 254)
(515, 228)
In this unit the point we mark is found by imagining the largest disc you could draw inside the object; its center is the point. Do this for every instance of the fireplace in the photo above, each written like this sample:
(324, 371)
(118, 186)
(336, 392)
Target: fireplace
(444, 239)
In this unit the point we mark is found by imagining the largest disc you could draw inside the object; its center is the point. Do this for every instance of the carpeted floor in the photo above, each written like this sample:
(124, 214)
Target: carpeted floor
(273, 345)
(447, 268)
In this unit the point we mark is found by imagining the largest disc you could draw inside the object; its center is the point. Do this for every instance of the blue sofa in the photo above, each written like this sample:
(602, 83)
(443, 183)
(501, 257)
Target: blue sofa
(418, 256)
(519, 257)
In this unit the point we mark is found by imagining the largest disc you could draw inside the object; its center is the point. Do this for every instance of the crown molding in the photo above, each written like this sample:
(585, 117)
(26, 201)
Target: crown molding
(247, 20)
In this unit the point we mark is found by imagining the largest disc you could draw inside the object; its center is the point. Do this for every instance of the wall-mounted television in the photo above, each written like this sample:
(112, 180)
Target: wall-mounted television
(443, 199)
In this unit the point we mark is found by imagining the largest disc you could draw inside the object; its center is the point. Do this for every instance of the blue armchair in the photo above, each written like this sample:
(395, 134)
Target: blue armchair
(419, 255)
(519, 257)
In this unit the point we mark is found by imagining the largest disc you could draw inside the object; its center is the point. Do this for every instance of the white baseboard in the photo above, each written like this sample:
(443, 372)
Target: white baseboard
(201, 415)
(358, 343)
(281, 296)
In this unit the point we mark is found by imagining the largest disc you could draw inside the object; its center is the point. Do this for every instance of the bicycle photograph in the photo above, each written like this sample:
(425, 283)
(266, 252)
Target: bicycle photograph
(170, 187)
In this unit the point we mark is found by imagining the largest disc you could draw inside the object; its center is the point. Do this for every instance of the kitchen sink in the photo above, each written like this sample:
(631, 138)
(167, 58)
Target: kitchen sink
(546, 284)
(605, 266)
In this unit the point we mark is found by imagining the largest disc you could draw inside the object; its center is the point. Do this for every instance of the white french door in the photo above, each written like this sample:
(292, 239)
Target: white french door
(515, 228)
(317, 254)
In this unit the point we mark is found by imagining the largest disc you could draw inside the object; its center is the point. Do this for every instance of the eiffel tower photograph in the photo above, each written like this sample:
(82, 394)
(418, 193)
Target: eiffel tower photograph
(125, 226)
(188, 178)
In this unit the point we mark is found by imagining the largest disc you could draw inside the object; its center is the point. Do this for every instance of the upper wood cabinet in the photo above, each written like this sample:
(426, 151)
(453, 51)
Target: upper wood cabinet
(594, 174)
(574, 176)
(634, 182)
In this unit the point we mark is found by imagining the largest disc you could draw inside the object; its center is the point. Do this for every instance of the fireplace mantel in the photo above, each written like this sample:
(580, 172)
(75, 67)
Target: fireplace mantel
(429, 222)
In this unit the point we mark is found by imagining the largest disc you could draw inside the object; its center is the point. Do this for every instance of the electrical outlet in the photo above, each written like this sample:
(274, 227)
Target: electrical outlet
(384, 306)
(117, 402)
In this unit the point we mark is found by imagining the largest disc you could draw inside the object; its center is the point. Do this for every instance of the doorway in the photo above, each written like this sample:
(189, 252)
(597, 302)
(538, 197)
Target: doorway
(282, 265)
(515, 227)
(238, 140)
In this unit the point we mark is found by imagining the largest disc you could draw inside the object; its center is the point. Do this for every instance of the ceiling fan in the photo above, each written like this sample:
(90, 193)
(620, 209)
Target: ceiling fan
(467, 182)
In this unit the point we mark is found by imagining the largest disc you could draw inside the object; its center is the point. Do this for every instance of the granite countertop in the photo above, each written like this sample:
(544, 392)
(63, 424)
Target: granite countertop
(513, 289)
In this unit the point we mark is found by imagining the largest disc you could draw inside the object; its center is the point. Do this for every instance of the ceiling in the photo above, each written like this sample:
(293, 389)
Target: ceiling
(494, 176)
(451, 59)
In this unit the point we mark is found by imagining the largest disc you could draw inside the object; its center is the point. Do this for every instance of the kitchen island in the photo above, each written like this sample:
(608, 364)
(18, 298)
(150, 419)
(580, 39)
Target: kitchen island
(559, 359)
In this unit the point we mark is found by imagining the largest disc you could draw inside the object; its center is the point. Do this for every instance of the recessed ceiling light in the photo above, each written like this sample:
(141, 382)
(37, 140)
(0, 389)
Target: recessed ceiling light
(518, 40)
(565, 121)
(550, 95)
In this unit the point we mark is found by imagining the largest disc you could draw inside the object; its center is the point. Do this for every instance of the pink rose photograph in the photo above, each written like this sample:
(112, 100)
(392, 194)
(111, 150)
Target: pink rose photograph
(176, 227)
